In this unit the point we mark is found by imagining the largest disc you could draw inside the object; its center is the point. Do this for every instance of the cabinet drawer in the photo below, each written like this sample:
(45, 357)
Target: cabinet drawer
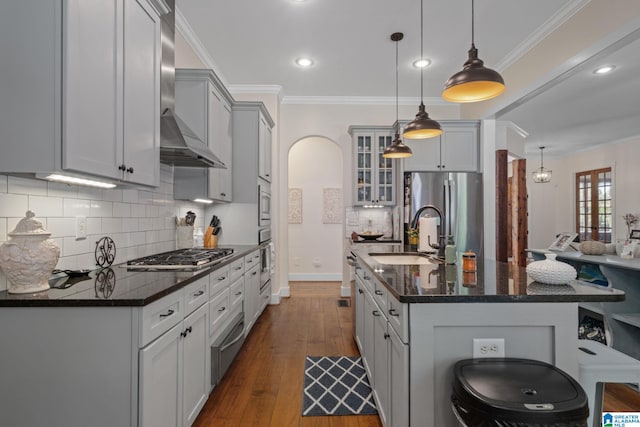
(265, 296)
(196, 294)
(252, 260)
(160, 316)
(398, 315)
(236, 292)
(380, 295)
(218, 280)
(219, 309)
(236, 269)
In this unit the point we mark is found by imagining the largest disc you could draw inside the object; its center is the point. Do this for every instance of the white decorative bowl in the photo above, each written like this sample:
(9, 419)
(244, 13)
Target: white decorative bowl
(551, 272)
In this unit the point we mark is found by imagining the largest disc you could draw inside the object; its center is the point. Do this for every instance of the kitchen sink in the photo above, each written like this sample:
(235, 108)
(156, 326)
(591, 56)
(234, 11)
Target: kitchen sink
(406, 258)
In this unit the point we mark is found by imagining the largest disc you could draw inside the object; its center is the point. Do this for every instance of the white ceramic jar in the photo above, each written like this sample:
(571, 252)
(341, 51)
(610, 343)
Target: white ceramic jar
(29, 256)
(551, 272)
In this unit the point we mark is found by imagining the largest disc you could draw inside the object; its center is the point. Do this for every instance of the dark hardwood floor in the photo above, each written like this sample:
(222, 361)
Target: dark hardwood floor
(263, 387)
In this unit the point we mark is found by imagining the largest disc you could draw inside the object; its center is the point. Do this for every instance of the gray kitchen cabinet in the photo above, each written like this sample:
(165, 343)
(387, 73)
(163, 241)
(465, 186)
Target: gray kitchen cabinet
(375, 177)
(251, 290)
(456, 150)
(173, 368)
(398, 375)
(89, 103)
(252, 126)
(359, 313)
(204, 104)
(380, 378)
(264, 150)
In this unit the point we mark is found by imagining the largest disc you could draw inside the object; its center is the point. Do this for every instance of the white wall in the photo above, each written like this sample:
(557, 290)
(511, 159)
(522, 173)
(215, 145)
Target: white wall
(315, 248)
(141, 222)
(551, 205)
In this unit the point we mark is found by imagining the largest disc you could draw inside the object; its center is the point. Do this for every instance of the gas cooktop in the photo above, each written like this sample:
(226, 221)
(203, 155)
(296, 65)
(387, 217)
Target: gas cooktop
(181, 259)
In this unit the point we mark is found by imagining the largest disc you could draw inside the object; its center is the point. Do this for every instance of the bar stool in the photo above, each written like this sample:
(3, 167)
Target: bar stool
(600, 364)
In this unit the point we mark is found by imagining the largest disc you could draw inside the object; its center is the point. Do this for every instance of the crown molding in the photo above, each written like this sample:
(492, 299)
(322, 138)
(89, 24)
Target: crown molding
(360, 100)
(514, 127)
(268, 89)
(552, 24)
(182, 26)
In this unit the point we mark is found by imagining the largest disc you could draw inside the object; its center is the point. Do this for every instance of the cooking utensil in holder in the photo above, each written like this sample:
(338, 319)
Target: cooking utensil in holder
(184, 236)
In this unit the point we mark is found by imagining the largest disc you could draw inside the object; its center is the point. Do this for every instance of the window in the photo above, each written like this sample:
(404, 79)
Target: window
(593, 205)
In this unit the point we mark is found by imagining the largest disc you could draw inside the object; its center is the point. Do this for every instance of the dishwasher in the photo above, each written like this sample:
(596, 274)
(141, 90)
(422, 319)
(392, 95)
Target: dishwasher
(225, 348)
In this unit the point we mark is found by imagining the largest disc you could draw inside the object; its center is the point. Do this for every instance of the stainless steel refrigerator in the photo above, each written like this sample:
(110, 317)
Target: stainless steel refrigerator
(459, 195)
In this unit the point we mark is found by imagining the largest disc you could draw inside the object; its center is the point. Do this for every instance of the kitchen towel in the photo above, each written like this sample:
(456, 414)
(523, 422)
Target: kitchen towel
(428, 229)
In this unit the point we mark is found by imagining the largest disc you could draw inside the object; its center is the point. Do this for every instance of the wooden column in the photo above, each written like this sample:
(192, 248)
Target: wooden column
(519, 212)
(502, 211)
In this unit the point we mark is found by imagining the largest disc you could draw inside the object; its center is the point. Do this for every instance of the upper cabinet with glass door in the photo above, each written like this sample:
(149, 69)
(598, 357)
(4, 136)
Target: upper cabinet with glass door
(374, 175)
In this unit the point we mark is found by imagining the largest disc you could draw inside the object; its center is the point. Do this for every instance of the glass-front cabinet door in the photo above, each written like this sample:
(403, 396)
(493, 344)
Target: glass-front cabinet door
(374, 174)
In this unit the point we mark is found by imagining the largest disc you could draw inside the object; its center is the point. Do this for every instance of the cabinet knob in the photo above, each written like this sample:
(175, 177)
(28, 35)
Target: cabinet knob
(254, 273)
(183, 334)
(367, 277)
(360, 291)
(122, 167)
(386, 336)
(130, 170)
(223, 194)
(443, 166)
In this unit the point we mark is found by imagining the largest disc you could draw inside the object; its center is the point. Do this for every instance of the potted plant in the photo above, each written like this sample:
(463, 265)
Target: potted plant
(413, 236)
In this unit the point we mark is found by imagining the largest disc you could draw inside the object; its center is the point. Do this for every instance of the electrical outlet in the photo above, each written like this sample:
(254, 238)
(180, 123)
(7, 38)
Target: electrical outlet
(488, 347)
(81, 227)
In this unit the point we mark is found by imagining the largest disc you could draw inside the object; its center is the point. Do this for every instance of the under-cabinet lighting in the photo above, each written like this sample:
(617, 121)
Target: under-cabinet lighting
(304, 62)
(78, 181)
(207, 201)
(422, 63)
(604, 70)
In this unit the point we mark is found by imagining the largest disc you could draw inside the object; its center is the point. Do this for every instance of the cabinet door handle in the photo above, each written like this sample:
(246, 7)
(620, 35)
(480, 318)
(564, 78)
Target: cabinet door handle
(360, 291)
(238, 293)
(375, 313)
(266, 174)
(393, 312)
(367, 277)
(122, 167)
(221, 309)
(221, 278)
(183, 334)
(169, 313)
(130, 170)
(443, 166)
(254, 273)
(386, 336)
(223, 194)
(197, 294)
(238, 268)
(378, 292)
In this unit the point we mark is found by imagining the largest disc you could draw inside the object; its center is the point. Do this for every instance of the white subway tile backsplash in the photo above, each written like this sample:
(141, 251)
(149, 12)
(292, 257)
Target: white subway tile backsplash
(94, 226)
(140, 221)
(122, 210)
(44, 206)
(19, 185)
(61, 227)
(15, 205)
(138, 210)
(100, 208)
(130, 196)
(111, 225)
(76, 207)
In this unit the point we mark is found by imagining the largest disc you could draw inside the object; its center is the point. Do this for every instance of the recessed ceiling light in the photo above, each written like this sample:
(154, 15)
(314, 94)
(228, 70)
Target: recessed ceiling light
(422, 63)
(304, 62)
(604, 70)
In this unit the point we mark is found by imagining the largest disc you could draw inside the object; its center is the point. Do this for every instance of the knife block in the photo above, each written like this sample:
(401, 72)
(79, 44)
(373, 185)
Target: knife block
(210, 241)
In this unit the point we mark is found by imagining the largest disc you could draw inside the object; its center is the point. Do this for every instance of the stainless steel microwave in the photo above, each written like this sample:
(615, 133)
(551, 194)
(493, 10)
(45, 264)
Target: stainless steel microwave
(264, 205)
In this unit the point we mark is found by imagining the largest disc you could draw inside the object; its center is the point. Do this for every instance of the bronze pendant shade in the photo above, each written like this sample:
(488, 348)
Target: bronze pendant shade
(475, 82)
(397, 149)
(422, 126)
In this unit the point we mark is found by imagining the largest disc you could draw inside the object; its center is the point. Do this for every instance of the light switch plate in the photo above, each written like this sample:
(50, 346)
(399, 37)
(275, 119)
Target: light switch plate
(81, 227)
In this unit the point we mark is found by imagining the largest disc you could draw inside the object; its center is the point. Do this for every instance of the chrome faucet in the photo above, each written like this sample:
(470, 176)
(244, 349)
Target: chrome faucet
(414, 224)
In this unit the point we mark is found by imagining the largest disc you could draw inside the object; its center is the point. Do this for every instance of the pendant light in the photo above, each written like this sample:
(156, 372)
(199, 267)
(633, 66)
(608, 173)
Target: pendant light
(422, 126)
(541, 175)
(475, 82)
(397, 149)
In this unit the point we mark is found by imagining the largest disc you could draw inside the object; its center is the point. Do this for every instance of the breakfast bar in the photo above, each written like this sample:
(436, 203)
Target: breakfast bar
(424, 316)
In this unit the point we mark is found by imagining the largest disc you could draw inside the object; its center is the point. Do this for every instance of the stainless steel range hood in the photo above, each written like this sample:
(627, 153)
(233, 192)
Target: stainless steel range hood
(179, 145)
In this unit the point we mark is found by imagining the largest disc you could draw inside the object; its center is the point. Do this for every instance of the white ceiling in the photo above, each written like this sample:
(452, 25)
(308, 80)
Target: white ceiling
(255, 42)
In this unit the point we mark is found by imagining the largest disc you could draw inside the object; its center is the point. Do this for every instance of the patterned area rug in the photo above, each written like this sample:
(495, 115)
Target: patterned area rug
(336, 385)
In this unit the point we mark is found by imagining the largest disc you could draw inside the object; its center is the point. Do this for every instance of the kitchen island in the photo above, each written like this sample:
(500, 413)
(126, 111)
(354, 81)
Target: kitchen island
(121, 347)
(414, 321)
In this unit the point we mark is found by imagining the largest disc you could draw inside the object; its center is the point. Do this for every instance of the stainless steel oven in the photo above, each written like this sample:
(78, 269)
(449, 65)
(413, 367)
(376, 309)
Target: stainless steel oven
(225, 348)
(264, 204)
(265, 265)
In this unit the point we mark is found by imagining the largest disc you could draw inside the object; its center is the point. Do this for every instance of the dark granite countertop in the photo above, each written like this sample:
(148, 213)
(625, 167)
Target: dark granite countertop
(492, 282)
(117, 286)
